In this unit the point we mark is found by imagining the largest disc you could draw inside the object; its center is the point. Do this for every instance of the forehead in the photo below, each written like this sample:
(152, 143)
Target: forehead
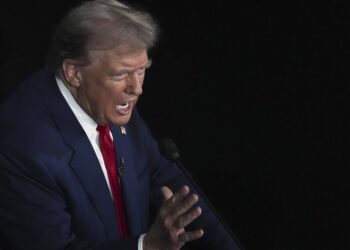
(113, 58)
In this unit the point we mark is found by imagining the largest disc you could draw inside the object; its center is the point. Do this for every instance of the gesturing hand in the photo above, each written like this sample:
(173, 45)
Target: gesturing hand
(168, 230)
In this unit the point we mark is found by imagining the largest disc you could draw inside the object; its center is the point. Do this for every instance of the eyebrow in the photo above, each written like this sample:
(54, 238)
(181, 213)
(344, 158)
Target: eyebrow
(146, 66)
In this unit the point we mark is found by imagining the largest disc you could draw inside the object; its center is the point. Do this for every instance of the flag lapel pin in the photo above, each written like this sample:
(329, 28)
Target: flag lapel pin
(123, 130)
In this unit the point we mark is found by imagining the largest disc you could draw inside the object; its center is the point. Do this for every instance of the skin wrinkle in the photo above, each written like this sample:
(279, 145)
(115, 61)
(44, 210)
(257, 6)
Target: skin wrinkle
(99, 94)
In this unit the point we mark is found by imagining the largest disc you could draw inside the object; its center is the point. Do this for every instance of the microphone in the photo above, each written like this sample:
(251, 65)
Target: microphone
(169, 150)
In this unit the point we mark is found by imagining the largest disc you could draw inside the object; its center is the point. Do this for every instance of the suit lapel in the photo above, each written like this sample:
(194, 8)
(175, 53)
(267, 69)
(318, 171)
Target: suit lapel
(87, 169)
(84, 162)
(128, 179)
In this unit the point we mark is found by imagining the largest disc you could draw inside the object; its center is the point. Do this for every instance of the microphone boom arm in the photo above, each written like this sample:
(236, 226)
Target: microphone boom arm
(170, 151)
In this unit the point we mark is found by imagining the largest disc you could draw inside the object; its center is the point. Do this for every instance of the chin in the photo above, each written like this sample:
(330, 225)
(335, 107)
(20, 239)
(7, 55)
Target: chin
(121, 121)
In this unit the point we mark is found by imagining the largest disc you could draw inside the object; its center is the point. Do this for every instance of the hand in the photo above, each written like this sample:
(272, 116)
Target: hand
(168, 230)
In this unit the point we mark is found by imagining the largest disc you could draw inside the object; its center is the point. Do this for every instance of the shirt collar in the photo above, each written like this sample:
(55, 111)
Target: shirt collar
(88, 124)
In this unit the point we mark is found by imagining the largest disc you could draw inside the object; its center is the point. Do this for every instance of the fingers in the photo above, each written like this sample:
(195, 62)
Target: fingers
(185, 204)
(179, 195)
(185, 219)
(189, 236)
(178, 208)
(166, 192)
(172, 200)
(177, 211)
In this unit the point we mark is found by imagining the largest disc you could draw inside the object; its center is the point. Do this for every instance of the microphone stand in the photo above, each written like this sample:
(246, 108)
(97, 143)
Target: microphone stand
(170, 151)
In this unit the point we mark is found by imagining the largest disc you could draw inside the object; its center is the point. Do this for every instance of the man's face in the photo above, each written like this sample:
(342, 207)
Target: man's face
(111, 84)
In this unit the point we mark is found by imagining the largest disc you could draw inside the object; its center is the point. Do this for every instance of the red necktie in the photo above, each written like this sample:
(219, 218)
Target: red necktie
(107, 149)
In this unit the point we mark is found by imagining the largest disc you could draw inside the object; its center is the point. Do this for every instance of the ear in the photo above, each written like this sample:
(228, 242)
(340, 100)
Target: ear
(71, 72)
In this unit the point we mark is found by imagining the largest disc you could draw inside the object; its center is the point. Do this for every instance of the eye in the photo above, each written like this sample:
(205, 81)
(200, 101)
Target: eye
(119, 76)
(141, 71)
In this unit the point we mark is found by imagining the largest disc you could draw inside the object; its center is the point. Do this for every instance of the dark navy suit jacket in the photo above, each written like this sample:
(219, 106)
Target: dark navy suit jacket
(53, 194)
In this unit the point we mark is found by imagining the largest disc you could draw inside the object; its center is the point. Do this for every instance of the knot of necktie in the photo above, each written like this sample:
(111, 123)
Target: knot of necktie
(105, 136)
(103, 129)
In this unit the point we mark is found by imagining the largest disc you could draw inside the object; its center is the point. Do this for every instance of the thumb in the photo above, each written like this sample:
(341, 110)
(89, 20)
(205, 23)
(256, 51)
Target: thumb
(166, 192)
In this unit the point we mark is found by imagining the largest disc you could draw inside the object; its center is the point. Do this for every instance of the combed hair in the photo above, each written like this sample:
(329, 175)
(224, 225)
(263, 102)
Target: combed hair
(101, 25)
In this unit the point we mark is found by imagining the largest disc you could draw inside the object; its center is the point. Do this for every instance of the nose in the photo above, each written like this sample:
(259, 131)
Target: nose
(134, 84)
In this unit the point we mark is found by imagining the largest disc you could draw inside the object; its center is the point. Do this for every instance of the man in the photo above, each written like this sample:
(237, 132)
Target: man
(67, 125)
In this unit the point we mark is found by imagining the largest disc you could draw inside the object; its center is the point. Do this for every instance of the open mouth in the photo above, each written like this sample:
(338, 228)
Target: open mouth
(124, 108)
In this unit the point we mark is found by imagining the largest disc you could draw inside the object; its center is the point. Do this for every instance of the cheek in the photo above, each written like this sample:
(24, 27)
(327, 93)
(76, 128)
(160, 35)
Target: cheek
(114, 93)
(101, 97)
(142, 78)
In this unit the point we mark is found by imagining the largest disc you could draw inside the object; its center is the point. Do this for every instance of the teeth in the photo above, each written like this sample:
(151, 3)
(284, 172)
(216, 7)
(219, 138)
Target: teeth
(123, 106)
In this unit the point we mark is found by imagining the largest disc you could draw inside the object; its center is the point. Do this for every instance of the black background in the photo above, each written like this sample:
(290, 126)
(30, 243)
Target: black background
(256, 96)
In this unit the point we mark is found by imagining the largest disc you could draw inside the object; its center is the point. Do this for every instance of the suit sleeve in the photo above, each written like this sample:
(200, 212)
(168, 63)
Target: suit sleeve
(34, 214)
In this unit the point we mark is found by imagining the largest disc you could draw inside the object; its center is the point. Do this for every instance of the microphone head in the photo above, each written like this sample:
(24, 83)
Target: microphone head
(168, 149)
